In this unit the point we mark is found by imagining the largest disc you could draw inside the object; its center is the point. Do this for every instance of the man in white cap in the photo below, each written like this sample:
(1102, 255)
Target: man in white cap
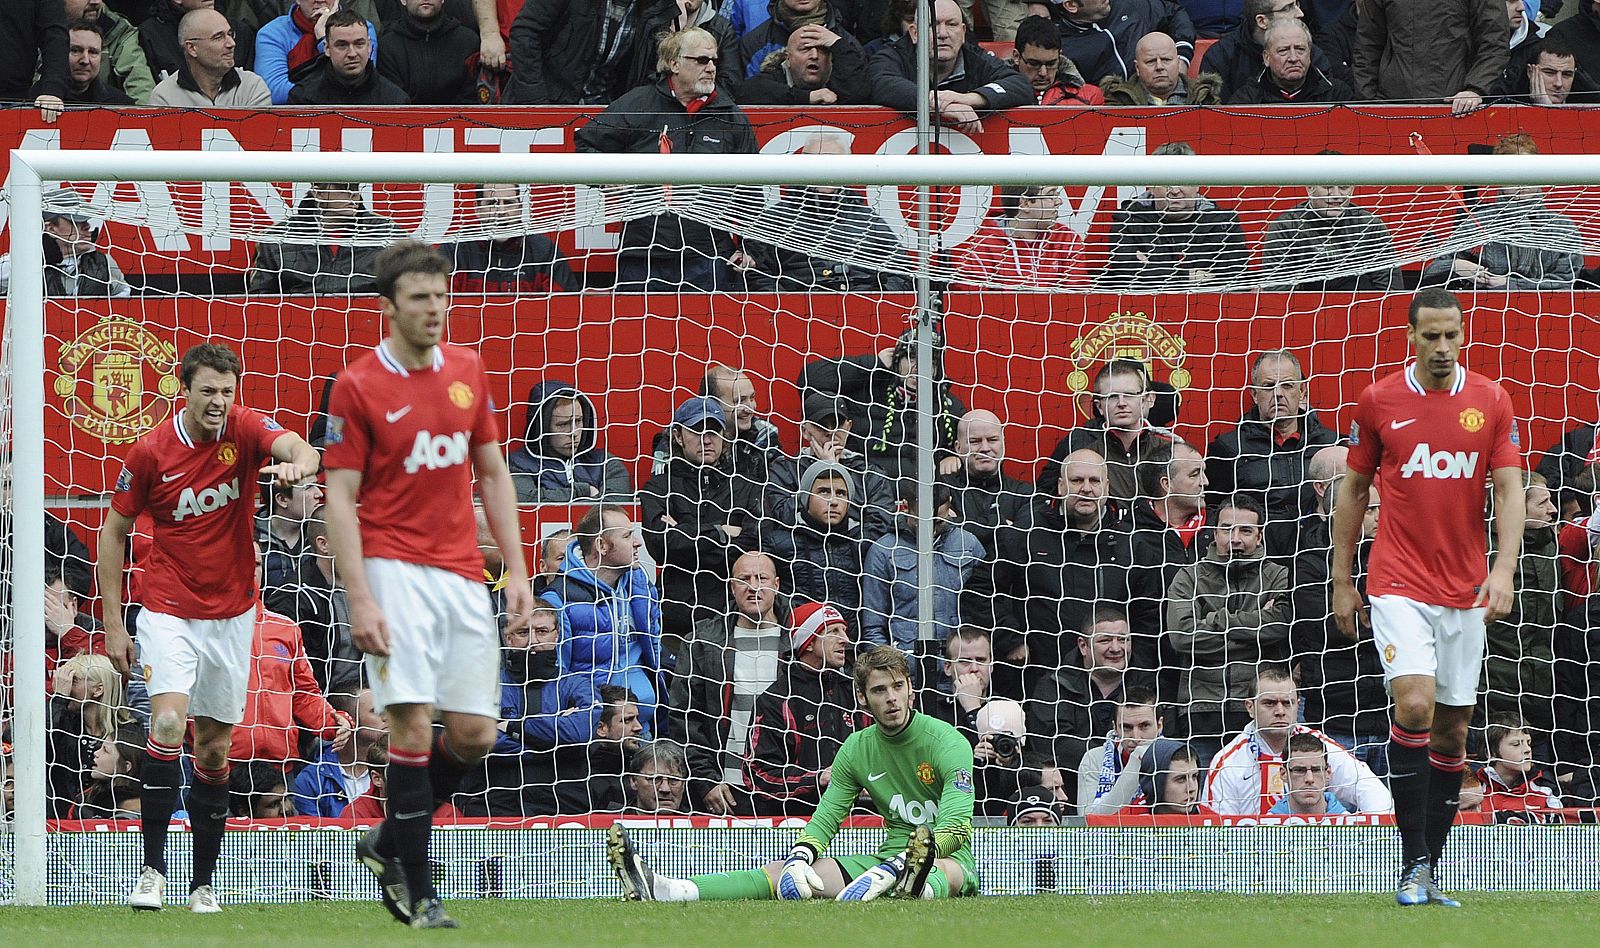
(73, 264)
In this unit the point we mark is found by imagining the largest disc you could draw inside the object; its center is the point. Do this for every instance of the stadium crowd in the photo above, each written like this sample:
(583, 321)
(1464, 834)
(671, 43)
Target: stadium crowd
(1143, 628)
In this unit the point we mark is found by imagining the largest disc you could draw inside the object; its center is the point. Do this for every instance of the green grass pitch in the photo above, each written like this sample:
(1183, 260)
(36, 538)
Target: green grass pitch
(1157, 921)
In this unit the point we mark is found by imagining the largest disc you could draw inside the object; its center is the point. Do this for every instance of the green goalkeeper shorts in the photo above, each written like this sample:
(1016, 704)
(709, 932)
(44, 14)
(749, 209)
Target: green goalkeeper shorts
(853, 866)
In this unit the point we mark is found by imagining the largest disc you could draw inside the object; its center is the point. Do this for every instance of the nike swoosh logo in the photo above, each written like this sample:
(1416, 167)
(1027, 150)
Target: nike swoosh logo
(169, 478)
(872, 777)
(393, 416)
(1397, 425)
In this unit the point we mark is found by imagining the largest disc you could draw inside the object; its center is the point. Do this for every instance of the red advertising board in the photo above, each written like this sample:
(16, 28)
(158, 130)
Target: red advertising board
(434, 212)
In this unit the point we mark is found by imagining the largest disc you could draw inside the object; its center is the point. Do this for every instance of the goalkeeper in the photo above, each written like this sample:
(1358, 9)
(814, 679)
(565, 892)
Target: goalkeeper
(918, 771)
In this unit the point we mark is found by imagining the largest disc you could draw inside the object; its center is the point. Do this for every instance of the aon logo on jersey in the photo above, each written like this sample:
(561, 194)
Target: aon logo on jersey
(193, 504)
(1428, 463)
(433, 451)
(915, 812)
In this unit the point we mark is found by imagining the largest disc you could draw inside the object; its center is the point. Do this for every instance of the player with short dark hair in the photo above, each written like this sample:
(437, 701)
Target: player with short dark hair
(196, 477)
(408, 426)
(918, 772)
(1437, 432)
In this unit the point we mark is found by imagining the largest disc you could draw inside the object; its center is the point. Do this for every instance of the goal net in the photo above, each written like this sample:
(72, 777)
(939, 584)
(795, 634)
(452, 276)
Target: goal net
(1143, 369)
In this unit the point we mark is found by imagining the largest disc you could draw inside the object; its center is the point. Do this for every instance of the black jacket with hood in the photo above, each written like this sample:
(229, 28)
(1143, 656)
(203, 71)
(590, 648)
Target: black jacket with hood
(589, 476)
(823, 562)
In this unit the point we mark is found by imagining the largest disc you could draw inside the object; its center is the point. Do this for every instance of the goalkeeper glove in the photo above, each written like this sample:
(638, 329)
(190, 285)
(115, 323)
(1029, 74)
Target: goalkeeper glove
(799, 880)
(875, 881)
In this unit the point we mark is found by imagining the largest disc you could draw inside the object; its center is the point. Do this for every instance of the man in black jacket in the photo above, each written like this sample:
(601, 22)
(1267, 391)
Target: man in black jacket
(816, 66)
(983, 497)
(36, 33)
(1120, 431)
(315, 599)
(347, 75)
(85, 49)
(507, 259)
(683, 113)
(1236, 57)
(1174, 237)
(822, 548)
(328, 247)
(825, 436)
(824, 21)
(968, 82)
(425, 52)
(1100, 35)
(1288, 77)
(1266, 455)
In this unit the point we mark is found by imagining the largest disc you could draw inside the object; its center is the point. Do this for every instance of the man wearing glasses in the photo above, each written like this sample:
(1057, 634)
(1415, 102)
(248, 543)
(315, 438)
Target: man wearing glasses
(1305, 774)
(1236, 57)
(1119, 431)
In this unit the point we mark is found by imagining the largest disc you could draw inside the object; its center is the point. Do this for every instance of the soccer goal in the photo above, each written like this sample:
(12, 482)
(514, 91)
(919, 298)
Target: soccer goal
(1009, 288)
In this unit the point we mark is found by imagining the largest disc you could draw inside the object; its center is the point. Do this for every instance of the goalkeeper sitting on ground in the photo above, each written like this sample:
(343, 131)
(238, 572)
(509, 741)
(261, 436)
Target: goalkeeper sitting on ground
(918, 771)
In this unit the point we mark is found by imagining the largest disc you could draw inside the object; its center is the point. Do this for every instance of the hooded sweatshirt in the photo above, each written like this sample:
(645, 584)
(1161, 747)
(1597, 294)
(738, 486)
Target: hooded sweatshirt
(589, 476)
(824, 561)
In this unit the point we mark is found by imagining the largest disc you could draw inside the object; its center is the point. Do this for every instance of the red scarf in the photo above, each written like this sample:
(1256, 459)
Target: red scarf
(304, 55)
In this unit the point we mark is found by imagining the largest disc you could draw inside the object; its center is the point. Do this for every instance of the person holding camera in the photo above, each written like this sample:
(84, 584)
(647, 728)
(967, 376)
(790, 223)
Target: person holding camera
(998, 773)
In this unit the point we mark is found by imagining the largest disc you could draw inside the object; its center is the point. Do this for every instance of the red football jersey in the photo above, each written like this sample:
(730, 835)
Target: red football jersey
(411, 436)
(1432, 453)
(201, 496)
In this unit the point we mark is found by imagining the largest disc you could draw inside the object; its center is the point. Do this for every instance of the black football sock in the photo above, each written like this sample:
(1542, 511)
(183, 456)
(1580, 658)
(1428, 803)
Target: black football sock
(1444, 799)
(1408, 781)
(410, 819)
(159, 797)
(208, 817)
(445, 770)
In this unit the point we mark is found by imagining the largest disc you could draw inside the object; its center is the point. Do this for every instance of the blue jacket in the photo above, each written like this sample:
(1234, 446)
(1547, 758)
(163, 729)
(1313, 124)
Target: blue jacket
(539, 730)
(1334, 806)
(609, 636)
(319, 789)
(274, 41)
(746, 15)
(889, 584)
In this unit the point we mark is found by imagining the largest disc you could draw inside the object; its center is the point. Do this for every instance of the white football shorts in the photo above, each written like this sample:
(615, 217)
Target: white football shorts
(444, 644)
(1415, 638)
(206, 659)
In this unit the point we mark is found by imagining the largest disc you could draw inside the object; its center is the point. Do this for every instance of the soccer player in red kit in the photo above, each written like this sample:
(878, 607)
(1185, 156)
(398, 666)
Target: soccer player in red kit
(408, 425)
(1434, 433)
(197, 479)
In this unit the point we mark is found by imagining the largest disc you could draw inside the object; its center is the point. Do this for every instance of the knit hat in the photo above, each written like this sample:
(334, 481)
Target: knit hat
(1033, 800)
(810, 618)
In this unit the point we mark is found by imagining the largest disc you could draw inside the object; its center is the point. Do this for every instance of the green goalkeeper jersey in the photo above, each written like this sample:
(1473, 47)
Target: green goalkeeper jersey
(919, 777)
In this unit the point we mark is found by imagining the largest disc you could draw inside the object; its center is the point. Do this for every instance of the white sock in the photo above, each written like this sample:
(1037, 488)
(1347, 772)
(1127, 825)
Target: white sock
(668, 889)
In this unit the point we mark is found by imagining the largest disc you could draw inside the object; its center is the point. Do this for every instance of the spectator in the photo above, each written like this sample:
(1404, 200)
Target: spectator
(1061, 559)
(1581, 33)
(560, 461)
(1526, 34)
(1055, 78)
(346, 75)
(723, 666)
(1034, 806)
(206, 77)
(1108, 773)
(1510, 784)
(880, 391)
(115, 778)
(588, 777)
(1246, 777)
(36, 32)
(1119, 431)
(879, 22)
(69, 631)
(328, 247)
(1158, 78)
(890, 613)
(1076, 702)
(815, 66)
(1100, 35)
(1513, 240)
(342, 775)
(1562, 464)
(825, 438)
(699, 515)
(1027, 245)
(682, 113)
(1239, 55)
(161, 35)
(803, 718)
(1409, 50)
(1213, 18)
(1551, 75)
(1289, 77)
(610, 617)
(1519, 669)
(572, 52)
(968, 83)
(315, 600)
(822, 21)
(1266, 454)
(658, 19)
(998, 772)
(295, 47)
(657, 780)
(371, 805)
(552, 552)
(426, 53)
(821, 548)
(1172, 514)
(73, 263)
(507, 259)
(1314, 246)
(1169, 780)
(83, 68)
(280, 529)
(752, 440)
(982, 497)
(66, 552)
(122, 64)
(283, 700)
(88, 703)
(257, 791)
(1226, 614)
(1174, 236)
(1341, 680)
(851, 249)
(1305, 780)
(964, 681)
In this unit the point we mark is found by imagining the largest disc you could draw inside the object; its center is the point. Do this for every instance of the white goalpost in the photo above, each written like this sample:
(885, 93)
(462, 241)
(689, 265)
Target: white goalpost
(26, 373)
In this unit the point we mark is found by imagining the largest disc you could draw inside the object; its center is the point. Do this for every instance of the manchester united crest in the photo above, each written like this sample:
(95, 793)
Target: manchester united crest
(227, 453)
(925, 773)
(1128, 336)
(1388, 653)
(1472, 419)
(460, 395)
(116, 380)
